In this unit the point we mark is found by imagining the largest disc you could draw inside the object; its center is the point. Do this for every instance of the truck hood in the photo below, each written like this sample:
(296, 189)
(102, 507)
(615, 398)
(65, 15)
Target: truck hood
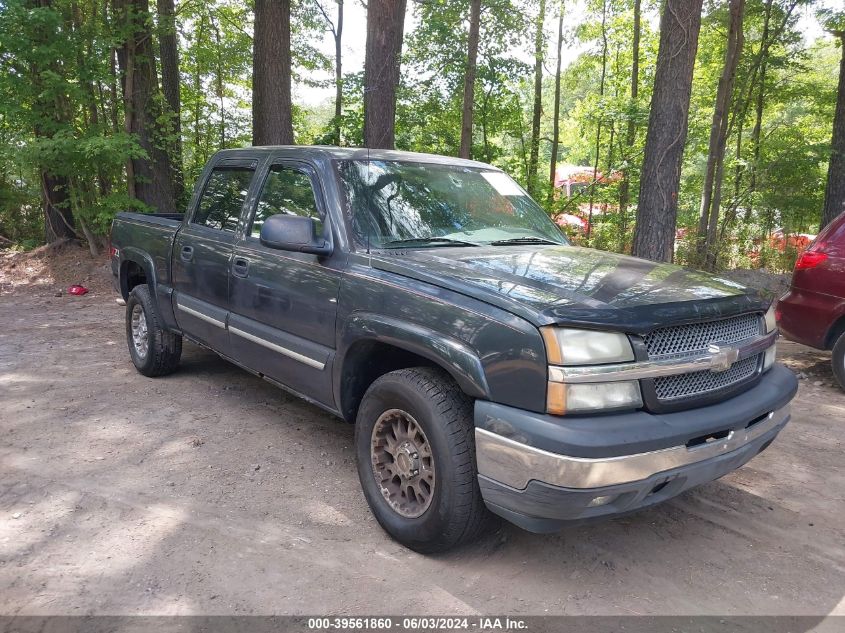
(573, 285)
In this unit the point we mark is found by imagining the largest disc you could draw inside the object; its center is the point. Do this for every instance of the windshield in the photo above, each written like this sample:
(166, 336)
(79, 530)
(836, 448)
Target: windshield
(396, 204)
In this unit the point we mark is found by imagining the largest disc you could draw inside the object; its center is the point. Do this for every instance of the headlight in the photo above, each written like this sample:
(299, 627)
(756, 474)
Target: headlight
(591, 397)
(566, 346)
(771, 322)
(572, 347)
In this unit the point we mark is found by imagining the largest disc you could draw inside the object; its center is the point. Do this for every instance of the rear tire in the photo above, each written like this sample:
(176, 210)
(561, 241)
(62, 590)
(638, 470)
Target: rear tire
(155, 351)
(838, 360)
(414, 439)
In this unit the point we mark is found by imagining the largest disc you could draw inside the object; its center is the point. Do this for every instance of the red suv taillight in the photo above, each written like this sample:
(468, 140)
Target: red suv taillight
(810, 258)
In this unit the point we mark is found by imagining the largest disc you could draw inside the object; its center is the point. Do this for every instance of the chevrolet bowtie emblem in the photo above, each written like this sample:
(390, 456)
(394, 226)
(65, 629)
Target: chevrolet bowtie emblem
(723, 356)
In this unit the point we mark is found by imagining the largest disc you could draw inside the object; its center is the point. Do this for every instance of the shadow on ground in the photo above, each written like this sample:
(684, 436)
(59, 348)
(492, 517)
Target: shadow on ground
(212, 492)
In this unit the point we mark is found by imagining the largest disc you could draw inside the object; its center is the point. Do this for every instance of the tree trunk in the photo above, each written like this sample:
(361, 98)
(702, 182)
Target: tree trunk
(218, 82)
(834, 194)
(757, 130)
(272, 120)
(170, 88)
(150, 178)
(485, 109)
(385, 31)
(338, 71)
(197, 153)
(657, 208)
(115, 98)
(756, 80)
(50, 111)
(538, 100)
(631, 134)
(58, 216)
(336, 28)
(711, 193)
(469, 79)
(112, 104)
(555, 121)
(599, 123)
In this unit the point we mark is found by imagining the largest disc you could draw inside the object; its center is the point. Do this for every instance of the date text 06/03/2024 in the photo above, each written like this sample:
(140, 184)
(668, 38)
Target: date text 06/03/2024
(425, 623)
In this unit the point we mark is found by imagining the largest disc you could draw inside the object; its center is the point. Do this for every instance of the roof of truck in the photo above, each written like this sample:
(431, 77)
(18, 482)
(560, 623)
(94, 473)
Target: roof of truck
(358, 153)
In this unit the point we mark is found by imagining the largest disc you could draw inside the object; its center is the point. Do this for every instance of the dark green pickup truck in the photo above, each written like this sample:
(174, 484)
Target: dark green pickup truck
(486, 363)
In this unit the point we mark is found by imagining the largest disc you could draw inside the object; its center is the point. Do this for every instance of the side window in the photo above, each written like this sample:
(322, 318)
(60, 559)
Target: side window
(288, 191)
(223, 198)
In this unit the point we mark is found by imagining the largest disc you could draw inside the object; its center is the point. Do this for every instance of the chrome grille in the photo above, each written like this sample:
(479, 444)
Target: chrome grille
(685, 340)
(702, 382)
(682, 340)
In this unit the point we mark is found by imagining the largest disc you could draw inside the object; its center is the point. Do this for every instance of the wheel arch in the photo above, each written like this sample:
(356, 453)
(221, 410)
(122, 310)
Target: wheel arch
(136, 268)
(373, 345)
(834, 332)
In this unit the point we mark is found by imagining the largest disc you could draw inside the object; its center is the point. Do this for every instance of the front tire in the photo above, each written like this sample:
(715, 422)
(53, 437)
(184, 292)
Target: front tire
(838, 360)
(414, 439)
(155, 351)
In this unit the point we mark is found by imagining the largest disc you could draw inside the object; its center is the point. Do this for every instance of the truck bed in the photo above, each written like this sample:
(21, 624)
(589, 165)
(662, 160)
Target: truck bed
(166, 219)
(153, 232)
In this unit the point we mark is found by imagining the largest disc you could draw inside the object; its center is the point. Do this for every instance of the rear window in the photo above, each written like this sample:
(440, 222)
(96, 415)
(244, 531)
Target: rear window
(223, 198)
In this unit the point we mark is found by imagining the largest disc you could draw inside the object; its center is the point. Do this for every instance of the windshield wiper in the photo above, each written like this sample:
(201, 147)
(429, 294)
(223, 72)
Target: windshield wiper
(524, 240)
(445, 241)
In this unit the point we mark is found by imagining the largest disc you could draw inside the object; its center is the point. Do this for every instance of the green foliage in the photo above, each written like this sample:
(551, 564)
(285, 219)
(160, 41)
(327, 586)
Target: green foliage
(53, 74)
(832, 21)
(216, 64)
(429, 109)
(780, 184)
(61, 107)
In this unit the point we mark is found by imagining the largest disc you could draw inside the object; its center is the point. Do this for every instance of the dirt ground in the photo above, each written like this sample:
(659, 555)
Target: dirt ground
(212, 492)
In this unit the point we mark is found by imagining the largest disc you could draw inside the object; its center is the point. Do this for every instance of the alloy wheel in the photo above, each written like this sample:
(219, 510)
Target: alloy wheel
(140, 333)
(403, 465)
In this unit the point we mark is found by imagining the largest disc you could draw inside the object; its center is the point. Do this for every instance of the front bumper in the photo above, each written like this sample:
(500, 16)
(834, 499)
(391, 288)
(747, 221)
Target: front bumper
(541, 471)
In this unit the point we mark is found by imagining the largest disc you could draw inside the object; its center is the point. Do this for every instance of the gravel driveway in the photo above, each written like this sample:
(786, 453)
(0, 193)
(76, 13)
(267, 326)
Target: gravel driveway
(212, 492)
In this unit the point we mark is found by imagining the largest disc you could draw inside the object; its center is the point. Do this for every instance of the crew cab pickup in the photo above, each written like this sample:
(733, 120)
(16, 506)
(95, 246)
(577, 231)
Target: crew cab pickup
(487, 364)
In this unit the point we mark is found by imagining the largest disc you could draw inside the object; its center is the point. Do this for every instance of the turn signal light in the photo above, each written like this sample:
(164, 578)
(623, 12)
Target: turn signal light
(556, 398)
(563, 398)
(810, 259)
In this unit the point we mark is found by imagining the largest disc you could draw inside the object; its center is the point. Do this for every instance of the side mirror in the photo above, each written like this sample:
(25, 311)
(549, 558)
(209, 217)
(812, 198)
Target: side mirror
(294, 233)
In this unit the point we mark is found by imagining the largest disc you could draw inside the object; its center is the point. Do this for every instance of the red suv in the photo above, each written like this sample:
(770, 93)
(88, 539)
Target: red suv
(813, 311)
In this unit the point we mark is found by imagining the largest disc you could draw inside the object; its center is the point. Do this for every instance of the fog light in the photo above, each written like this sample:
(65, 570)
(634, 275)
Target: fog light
(602, 501)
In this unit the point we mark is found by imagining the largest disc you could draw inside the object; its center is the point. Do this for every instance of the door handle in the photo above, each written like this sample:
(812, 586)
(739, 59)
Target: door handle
(187, 253)
(240, 267)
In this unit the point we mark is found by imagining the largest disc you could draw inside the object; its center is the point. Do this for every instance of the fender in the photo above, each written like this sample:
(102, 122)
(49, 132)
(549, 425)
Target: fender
(451, 354)
(136, 255)
(837, 326)
(160, 293)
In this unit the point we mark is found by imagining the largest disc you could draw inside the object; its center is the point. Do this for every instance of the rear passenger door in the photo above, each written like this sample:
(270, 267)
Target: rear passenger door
(202, 253)
(284, 304)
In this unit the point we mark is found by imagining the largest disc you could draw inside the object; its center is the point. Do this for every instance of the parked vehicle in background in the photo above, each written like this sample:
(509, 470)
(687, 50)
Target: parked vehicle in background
(483, 359)
(813, 311)
(781, 242)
